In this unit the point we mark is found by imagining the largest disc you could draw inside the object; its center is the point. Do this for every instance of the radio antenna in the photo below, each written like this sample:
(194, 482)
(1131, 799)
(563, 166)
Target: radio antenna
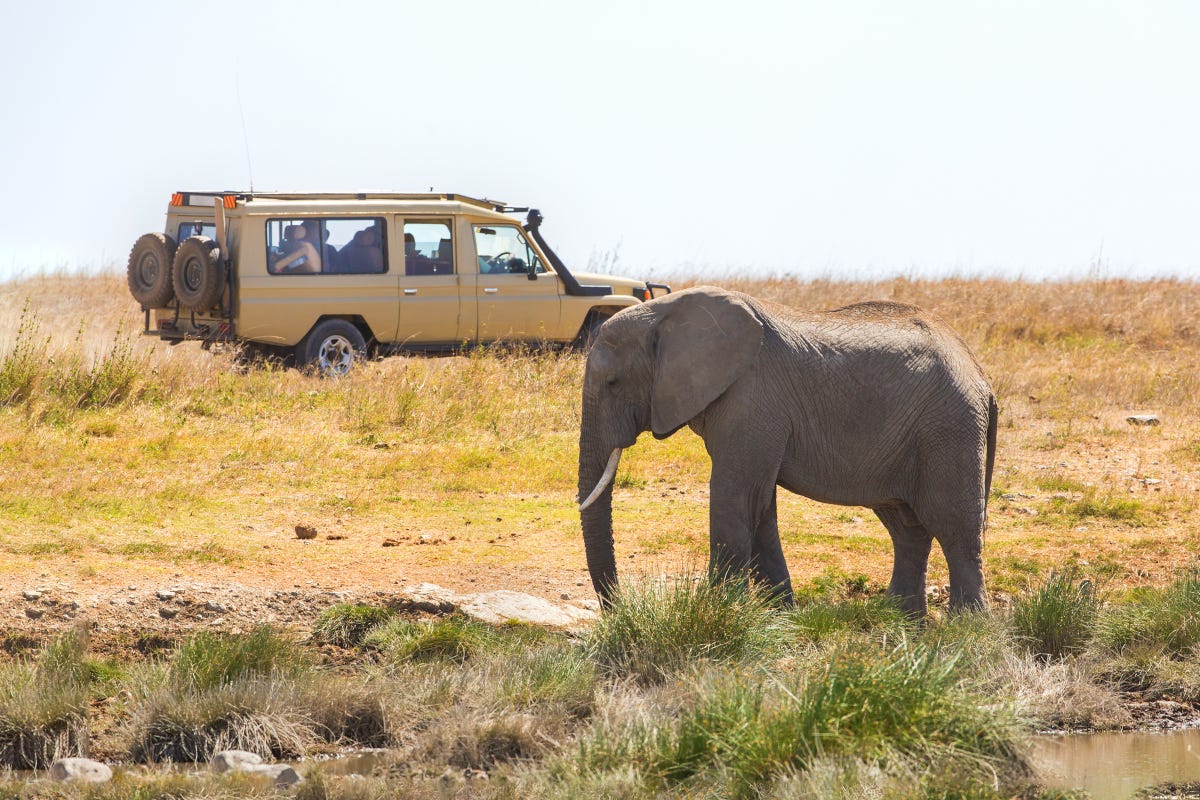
(237, 85)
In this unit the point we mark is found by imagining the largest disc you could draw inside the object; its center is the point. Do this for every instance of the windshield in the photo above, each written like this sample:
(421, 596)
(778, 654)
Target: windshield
(503, 248)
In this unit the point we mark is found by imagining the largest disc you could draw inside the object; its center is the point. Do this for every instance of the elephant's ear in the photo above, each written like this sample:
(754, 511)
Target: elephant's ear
(704, 342)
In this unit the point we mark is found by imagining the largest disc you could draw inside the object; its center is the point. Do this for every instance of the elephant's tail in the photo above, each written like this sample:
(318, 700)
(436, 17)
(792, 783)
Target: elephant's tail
(993, 414)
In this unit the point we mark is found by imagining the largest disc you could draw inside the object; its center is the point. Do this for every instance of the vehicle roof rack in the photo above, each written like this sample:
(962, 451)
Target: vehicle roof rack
(495, 205)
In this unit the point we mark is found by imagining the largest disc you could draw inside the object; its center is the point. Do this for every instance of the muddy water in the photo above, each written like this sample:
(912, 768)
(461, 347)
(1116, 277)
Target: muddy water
(1112, 766)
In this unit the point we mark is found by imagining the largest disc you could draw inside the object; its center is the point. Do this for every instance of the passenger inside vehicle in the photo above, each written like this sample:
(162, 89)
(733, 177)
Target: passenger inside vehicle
(363, 254)
(415, 262)
(297, 253)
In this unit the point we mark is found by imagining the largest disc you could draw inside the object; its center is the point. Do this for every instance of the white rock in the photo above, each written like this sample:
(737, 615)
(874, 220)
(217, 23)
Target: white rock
(503, 605)
(234, 760)
(83, 770)
(1143, 419)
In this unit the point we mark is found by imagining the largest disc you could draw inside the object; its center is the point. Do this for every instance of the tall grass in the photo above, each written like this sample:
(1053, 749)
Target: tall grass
(907, 707)
(1058, 618)
(43, 705)
(656, 629)
(1163, 621)
(347, 624)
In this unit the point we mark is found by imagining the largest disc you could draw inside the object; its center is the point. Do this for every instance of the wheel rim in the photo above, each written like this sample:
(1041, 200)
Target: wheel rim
(335, 356)
(193, 272)
(147, 270)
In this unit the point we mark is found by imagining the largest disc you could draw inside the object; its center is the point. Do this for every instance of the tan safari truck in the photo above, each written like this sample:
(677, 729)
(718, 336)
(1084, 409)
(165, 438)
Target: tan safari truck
(334, 277)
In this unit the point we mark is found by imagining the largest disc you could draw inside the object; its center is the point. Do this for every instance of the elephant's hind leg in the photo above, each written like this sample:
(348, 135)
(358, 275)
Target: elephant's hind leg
(911, 543)
(960, 534)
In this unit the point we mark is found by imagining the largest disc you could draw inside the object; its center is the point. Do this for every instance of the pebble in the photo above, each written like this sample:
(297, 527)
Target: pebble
(31, 595)
(1143, 419)
(34, 613)
(168, 613)
(164, 594)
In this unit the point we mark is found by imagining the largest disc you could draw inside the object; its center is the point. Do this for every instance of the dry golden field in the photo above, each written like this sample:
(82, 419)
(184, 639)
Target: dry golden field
(127, 462)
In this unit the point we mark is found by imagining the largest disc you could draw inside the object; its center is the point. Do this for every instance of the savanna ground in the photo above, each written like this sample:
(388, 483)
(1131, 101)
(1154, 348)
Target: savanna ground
(124, 462)
(130, 469)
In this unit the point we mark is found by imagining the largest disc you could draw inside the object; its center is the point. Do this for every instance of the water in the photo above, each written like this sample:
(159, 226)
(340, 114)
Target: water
(1112, 766)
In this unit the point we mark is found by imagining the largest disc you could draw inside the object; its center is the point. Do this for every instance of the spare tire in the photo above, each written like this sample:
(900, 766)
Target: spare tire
(198, 273)
(149, 272)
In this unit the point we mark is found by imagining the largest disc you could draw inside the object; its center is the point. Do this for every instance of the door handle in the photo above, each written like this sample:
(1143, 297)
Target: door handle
(410, 291)
(490, 290)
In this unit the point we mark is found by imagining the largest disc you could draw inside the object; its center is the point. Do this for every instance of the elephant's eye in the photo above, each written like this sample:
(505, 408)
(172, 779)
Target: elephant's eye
(611, 380)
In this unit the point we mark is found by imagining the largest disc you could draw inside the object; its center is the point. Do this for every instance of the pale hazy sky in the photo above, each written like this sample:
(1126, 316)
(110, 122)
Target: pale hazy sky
(853, 138)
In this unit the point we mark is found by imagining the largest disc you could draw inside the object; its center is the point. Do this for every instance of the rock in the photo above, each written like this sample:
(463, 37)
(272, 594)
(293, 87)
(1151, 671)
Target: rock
(430, 597)
(1027, 511)
(31, 595)
(233, 760)
(282, 775)
(164, 594)
(1143, 419)
(166, 612)
(214, 606)
(306, 532)
(34, 613)
(83, 770)
(503, 605)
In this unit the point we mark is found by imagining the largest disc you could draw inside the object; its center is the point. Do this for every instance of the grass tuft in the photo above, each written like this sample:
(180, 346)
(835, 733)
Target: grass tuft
(208, 660)
(345, 624)
(655, 629)
(1057, 619)
(455, 638)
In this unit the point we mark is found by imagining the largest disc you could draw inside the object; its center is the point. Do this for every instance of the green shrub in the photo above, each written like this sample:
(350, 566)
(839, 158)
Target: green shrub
(345, 624)
(655, 629)
(1058, 618)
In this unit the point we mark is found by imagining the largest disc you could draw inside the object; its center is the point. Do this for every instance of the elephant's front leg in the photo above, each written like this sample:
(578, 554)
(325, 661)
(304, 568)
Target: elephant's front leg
(743, 529)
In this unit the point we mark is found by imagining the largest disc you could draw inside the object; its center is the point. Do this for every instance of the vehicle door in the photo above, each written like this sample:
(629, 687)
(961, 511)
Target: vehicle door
(519, 297)
(313, 267)
(429, 288)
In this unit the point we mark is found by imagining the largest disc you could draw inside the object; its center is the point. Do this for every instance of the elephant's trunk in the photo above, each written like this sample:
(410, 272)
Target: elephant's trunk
(595, 512)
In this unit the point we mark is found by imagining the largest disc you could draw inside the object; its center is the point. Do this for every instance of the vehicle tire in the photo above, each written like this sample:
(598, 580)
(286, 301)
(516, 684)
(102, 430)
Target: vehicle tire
(149, 271)
(588, 332)
(198, 273)
(331, 348)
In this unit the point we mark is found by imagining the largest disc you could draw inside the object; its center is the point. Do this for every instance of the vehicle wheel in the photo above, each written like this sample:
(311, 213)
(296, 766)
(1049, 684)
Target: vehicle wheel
(331, 348)
(149, 272)
(198, 273)
(588, 333)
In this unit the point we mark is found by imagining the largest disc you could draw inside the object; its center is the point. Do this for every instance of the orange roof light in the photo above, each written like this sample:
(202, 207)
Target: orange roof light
(177, 199)
(230, 200)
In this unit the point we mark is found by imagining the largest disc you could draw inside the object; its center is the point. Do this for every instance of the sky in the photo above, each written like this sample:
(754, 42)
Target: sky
(850, 139)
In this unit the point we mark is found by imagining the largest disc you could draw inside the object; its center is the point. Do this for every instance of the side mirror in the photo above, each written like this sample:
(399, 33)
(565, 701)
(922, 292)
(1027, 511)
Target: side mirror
(533, 272)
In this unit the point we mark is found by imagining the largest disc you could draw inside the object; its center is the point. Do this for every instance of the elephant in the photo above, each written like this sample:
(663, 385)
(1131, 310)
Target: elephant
(877, 404)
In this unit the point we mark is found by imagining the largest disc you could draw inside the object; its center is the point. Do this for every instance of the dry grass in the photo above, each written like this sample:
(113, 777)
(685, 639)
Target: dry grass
(198, 468)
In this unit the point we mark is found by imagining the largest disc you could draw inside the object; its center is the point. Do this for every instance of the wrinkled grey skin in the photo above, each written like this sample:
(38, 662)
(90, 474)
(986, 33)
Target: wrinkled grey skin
(876, 404)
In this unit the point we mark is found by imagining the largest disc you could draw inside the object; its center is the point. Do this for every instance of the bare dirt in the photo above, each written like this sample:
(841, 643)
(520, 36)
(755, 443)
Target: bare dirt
(130, 608)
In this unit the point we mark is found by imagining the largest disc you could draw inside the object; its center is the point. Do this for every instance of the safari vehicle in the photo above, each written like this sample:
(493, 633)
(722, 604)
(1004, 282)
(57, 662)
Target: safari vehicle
(332, 277)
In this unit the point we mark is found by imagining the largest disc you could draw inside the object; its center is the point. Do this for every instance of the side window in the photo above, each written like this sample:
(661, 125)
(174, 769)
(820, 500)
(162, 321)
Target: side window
(330, 246)
(428, 247)
(356, 245)
(504, 249)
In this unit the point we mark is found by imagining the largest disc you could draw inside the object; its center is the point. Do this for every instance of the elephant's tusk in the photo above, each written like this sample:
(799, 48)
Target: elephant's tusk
(605, 479)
